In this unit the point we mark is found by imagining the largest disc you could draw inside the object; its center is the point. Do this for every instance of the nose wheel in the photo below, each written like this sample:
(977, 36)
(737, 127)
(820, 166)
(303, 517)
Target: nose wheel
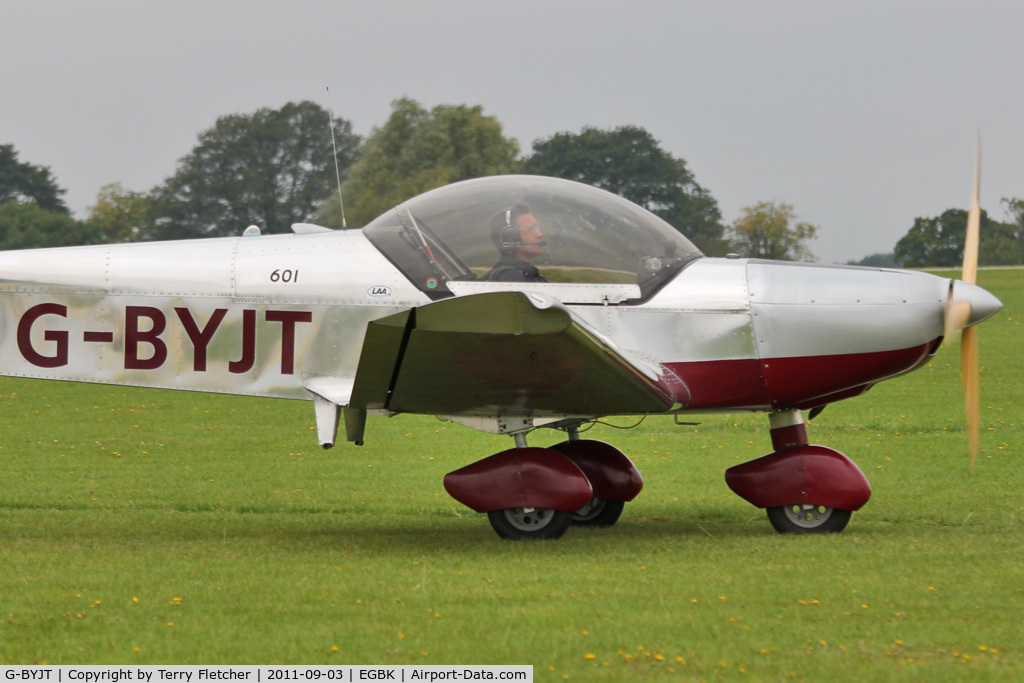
(808, 519)
(805, 489)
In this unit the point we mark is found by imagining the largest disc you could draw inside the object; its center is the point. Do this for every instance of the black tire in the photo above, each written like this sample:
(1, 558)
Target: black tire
(530, 524)
(808, 519)
(599, 512)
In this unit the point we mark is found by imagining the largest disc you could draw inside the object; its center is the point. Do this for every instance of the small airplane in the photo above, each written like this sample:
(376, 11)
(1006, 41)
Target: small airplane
(505, 304)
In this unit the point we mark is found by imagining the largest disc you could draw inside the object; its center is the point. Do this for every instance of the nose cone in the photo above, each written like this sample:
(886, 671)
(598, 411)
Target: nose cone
(982, 304)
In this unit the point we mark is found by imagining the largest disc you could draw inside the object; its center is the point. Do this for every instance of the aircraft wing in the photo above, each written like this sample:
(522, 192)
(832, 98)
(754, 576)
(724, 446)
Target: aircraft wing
(503, 354)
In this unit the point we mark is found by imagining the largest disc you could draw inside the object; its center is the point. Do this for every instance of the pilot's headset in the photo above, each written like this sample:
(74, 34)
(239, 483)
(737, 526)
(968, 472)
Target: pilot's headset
(510, 237)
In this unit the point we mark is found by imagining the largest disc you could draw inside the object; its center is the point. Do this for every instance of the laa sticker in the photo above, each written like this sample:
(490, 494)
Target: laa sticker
(378, 292)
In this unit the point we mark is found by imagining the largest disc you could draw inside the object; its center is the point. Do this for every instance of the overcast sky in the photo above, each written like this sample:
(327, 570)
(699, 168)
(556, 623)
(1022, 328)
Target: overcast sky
(862, 115)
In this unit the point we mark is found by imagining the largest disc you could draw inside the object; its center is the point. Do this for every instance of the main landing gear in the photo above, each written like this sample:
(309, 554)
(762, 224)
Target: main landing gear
(805, 489)
(538, 493)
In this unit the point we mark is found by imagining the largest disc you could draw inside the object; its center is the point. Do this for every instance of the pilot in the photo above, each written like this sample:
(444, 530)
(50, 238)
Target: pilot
(518, 237)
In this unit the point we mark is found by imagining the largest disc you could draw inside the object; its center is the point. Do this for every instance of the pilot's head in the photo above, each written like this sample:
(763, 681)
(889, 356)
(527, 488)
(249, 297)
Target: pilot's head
(515, 231)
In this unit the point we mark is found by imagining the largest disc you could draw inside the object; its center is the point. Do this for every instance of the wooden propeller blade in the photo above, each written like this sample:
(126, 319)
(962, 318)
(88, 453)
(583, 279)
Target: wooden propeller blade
(969, 370)
(969, 273)
(968, 338)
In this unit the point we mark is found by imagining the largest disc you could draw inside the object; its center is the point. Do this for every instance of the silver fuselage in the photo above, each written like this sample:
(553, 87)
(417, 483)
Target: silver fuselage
(275, 315)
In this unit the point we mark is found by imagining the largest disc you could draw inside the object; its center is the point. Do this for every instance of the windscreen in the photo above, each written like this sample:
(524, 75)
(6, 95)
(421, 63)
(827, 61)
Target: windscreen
(563, 231)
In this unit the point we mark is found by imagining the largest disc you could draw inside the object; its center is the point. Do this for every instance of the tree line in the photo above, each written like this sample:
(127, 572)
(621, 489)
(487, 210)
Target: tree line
(276, 167)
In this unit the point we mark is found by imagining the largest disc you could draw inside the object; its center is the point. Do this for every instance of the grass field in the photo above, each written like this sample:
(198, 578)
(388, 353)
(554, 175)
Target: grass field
(156, 527)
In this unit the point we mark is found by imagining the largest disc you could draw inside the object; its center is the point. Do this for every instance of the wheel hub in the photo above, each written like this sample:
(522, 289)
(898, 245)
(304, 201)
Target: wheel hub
(808, 516)
(529, 519)
(592, 509)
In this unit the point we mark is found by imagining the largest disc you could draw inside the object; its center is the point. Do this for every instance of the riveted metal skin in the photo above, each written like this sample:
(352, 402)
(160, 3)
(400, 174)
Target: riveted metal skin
(520, 478)
(763, 335)
(811, 475)
(612, 475)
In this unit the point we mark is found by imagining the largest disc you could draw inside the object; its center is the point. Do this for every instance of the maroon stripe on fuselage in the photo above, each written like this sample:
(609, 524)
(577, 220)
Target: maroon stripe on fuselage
(723, 383)
(787, 382)
(797, 380)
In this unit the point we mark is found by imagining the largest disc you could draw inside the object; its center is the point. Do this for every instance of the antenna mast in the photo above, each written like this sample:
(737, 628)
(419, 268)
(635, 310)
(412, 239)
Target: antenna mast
(337, 171)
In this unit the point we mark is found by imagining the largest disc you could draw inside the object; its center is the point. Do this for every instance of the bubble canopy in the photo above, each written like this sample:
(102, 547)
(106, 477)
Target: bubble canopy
(588, 235)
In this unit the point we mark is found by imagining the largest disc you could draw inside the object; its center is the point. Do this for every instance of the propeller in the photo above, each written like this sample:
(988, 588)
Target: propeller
(966, 306)
(969, 337)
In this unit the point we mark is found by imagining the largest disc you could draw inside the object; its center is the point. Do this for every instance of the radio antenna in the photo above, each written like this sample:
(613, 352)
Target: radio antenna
(337, 171)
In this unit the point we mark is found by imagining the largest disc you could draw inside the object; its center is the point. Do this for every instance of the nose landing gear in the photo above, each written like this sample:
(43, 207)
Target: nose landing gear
(808, 519)
(805, 489)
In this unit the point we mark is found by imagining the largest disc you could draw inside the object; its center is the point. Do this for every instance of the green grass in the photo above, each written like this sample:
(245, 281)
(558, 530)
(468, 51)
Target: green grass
(155, 527)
